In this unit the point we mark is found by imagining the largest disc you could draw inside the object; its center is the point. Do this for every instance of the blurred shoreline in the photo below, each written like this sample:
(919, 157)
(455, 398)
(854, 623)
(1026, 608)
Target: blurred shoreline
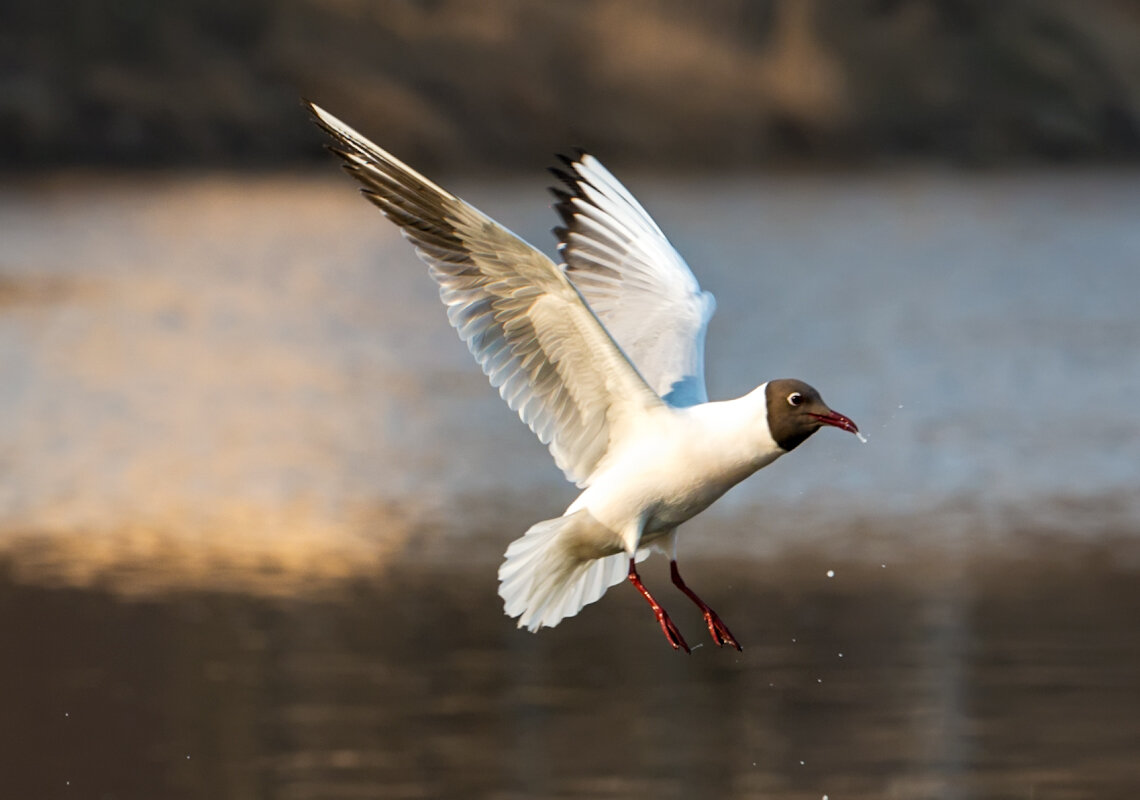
(144, 562)
(450, 83)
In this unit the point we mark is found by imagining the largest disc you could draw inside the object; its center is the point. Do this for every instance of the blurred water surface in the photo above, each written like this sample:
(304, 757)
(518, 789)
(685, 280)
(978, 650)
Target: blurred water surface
(258, 369)
(253, 491)
(1018, 682)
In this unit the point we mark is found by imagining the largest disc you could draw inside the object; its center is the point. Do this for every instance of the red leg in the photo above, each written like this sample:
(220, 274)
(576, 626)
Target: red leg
(667, 627)
(720, 632)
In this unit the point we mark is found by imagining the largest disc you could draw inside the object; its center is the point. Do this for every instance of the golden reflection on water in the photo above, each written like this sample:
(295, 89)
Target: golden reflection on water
(280, 552)
(176, 413)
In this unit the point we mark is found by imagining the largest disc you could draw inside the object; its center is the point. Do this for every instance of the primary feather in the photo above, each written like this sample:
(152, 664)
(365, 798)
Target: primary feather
(634, 280)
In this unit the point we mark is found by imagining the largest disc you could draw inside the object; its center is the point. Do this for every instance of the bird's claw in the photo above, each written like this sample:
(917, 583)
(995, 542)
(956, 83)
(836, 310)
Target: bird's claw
(720, 633)
(672, 634)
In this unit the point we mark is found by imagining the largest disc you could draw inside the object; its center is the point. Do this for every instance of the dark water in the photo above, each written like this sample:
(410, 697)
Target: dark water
(997, 680)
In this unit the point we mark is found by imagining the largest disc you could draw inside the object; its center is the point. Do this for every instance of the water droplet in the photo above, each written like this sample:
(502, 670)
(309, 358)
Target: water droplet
(861, 437)
(831, 573)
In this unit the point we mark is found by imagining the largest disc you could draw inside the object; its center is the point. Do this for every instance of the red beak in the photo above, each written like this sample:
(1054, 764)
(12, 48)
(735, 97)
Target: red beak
(838, 420)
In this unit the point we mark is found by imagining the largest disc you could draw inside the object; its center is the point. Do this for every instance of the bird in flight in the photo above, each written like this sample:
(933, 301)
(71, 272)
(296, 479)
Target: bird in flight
(603, 357)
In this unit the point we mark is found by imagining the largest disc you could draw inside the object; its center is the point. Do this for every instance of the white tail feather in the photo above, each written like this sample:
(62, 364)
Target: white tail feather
(545, 577)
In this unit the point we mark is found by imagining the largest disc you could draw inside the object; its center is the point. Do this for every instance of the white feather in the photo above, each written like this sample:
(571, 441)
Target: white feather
(545, 579)
(636, 282)
(526, 324)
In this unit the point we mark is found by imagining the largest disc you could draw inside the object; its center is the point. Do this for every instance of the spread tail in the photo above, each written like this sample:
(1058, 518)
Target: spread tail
(549, 573)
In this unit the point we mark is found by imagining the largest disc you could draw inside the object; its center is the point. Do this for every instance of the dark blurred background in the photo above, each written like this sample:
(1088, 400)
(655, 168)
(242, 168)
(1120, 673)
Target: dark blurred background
(713, 84)
(254, 491)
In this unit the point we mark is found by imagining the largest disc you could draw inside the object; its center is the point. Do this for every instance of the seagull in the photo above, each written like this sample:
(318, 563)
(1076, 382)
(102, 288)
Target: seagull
(602, 357)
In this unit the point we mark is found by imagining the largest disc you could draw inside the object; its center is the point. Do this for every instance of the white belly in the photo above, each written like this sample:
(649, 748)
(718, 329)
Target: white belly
(671, 473)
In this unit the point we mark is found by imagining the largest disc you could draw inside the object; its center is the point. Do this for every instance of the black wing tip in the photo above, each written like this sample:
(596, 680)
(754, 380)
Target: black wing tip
(564, 207)
(333, 133)
(573, 159)
(570, 178)
(564, 196)
(314, 112)
(563, 202)
(577, 154)
(569, 173)
(563, 176)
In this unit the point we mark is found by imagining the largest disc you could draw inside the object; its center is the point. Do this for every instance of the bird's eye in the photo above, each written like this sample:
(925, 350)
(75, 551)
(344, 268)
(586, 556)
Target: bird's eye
(795, 398)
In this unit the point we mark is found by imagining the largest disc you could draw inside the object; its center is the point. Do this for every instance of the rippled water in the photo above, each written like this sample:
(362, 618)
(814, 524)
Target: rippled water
(1007, 682)
(253, 492)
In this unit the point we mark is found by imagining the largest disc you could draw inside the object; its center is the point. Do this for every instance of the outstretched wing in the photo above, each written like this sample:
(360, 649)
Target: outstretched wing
(526, 324)
(634, 280)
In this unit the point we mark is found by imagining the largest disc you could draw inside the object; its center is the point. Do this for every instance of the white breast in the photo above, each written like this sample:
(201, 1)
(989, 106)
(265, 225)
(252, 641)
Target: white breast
(682, 461)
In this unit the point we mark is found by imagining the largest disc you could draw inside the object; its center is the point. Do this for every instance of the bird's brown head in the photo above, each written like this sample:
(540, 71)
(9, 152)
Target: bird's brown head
(796, 411)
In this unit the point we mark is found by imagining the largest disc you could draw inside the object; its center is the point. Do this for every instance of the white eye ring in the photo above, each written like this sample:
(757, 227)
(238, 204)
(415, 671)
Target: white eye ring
(795, 398)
